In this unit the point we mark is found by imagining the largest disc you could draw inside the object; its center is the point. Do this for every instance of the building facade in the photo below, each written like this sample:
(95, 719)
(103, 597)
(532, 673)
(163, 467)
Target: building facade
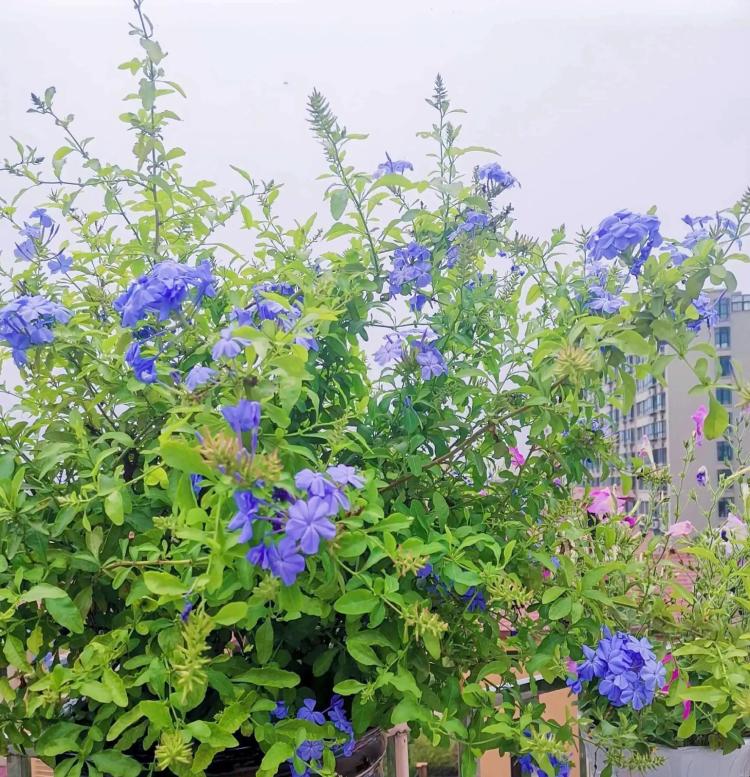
(662, 413)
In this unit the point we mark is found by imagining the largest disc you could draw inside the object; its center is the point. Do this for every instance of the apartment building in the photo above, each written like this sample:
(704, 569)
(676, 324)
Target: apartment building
(662, 413)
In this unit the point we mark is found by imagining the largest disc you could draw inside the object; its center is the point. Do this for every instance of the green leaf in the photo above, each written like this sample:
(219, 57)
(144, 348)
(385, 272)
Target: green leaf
(348, 687)
(164, 584)
(555, 592)
(65, 613)
(264, 641)
(153, 50)
(113, 506)
(357, 602)
(116, 764)
(43, 591)
(629, 341)
(360, 650)
(560, 608)
(276, 755)
(230, 613)
(339, 198)
(717, 419)
(184, 458)
(269, 676)
(58, 739)
(58, 159)
(687, 727)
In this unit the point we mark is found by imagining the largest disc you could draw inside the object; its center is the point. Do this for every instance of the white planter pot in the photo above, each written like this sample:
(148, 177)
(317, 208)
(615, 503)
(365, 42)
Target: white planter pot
(680, 762)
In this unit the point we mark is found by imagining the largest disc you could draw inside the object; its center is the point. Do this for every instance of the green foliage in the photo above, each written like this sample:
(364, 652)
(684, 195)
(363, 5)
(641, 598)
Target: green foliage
(103, 537)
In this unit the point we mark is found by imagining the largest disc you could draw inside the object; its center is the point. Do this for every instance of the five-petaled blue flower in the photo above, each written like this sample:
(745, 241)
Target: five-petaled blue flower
(309, 522)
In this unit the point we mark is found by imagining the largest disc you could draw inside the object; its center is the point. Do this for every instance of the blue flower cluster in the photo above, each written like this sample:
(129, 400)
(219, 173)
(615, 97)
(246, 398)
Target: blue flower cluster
(473, 222)
(28, 321)
(473, 597)
(626, 667)
(492, 173)
(311, 750)
(703, 227)
(412, 266)
(625, 231)
(143, 368)
(397, 345)
(163, 291)
(707, 313)
(530, 766)
(296, 531)
(392, 166)
(265, 308)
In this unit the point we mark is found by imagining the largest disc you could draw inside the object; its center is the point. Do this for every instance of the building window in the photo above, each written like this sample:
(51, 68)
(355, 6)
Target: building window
(723, 451)
(721, 337)
(723, 507)
(724, 396)
(741, 302)
(725, 362)
(660, 455)
(724, 474)
(722, 309)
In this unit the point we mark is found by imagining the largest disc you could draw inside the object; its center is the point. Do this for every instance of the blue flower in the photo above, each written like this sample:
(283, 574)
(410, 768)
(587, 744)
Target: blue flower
(707, 312)
(143, 368)
(242, 417)
(603, 300)
(247, 512)
(260, 555)
(310, 750)
(264, 308)
(60, 263)
(345, 476)
(430, 360)
(163, 291)
(392, 166)
(309, 522)
(280, 711)
(411, 265)
(493, 173)
(44, 219)
(195, 483)
(285, 560)
(198, 376)
(28, 321)
(229, 345)
(308, 712)
(475, 599)
(315, 483)
(186, 610)
(392, 349)
(417, 302)
(473, 220)
(25, 251)
(624, 231)
(452, 256)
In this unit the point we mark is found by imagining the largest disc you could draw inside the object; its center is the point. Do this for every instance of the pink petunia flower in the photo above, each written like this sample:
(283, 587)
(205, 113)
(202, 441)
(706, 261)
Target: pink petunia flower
(631, 520)
(699, 417)
(517, 459)
(735, 528)
(687, 707)
(680, 529)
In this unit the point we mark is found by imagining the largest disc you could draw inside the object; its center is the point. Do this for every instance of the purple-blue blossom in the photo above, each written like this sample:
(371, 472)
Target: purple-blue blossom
(493, 173)
(28, 321)
(228, 345)
(163, 291)
(412, 264)
(242, 417)
(473, 221)
(392, 349)
(707, 312)
(285, 560)
(624, 231)
(309, 523)
(604, 301)
(399, 166)
(60, 263)
(430, 360)
(198, 376)
(143, 368)
(344, 475)
(247, 513)
(626, 667)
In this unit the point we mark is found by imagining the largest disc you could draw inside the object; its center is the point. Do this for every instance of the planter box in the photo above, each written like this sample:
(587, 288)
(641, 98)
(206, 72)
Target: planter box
(681, 762)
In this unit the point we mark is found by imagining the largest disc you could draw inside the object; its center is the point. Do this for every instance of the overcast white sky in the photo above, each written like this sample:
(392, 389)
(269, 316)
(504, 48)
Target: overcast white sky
(595, 105)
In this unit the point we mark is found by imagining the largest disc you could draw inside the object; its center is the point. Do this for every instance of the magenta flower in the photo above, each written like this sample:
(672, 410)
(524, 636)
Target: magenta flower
(630, 520)
(602, 502)
(687, 707)
(680, 529)
(517, 459)
(699, 418)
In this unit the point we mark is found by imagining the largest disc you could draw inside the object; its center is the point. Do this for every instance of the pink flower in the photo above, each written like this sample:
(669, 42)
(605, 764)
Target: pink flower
(546, 573)
(646, 451)
(680, 529)
(735, 527)
(630, 520)
(517, 459)
(602, 502)
(687, 706)
(699, 417)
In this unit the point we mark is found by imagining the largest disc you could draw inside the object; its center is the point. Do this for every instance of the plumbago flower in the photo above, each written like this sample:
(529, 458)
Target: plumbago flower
(399, 166)
(254, 526)
(626, 667)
